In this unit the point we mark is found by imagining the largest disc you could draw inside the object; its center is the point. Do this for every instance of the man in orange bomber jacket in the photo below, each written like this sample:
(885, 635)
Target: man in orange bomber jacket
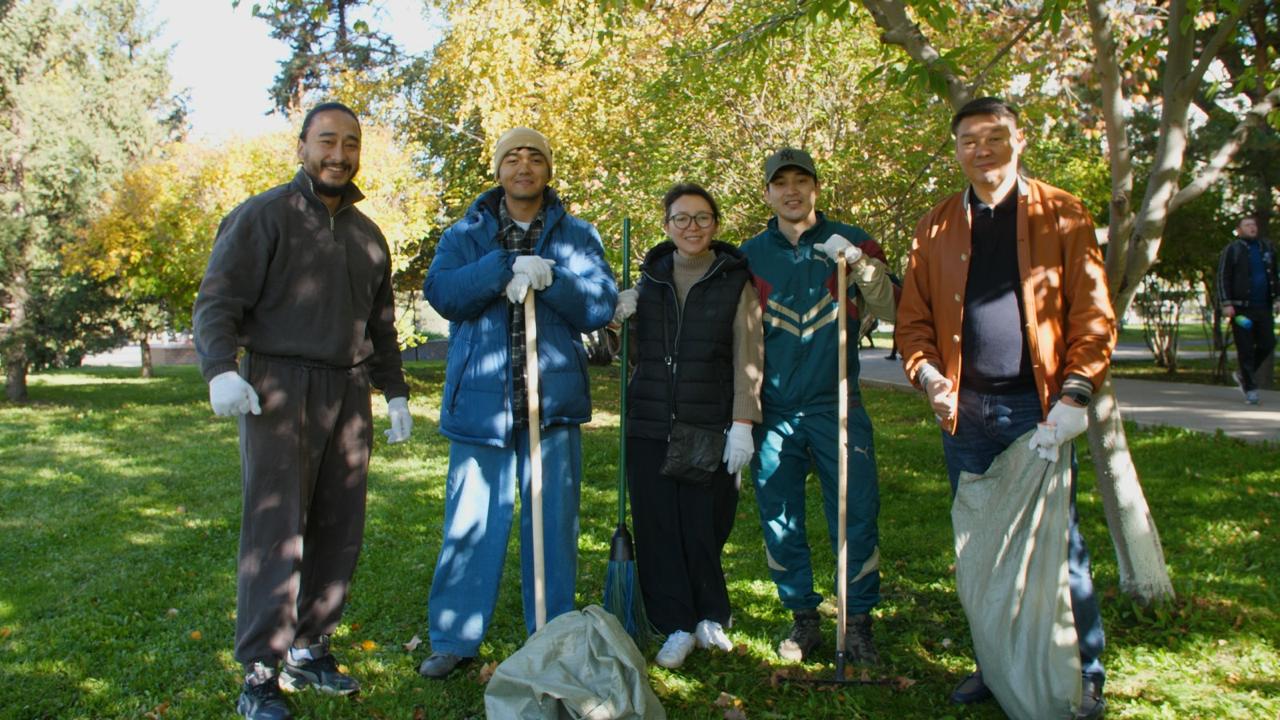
(1006, 324)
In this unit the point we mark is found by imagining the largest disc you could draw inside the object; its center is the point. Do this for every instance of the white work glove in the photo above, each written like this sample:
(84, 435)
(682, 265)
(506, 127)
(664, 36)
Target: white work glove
(401, 420)
(836, 244)
(626, 305)
(938, 389)
(738, 447)
(537, 269)
(1064, 423)
(517, 288)
(231, 396)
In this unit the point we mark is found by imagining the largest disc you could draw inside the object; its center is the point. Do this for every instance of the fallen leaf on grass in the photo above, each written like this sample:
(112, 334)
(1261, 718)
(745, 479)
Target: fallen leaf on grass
(196, 635)
(157, 711)
(726, 700)
(368, 646)
(413, 644)
(486, 671)
(902, 682)
(5, 633)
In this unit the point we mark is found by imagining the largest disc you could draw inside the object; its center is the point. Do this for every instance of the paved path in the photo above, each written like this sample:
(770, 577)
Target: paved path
(1203, 408)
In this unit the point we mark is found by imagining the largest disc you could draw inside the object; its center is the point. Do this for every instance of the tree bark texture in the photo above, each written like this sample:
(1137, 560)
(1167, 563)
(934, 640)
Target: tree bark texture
(1139, 554)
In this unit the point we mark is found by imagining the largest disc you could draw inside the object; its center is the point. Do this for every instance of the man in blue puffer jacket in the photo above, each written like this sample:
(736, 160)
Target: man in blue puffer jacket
(514, 239)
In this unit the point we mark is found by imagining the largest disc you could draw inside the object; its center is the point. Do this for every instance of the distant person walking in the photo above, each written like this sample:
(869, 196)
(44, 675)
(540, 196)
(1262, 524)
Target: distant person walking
(301, 280)
(1248, 288)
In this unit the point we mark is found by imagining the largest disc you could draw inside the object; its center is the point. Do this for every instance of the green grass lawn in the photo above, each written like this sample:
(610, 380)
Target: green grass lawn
(120, 521)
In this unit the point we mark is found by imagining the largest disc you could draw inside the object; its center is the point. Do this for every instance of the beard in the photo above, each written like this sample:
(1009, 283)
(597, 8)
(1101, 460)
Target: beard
(329, 190)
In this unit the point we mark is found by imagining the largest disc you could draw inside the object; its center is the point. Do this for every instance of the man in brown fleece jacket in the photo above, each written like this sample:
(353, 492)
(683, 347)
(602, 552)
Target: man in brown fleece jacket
(301, 280)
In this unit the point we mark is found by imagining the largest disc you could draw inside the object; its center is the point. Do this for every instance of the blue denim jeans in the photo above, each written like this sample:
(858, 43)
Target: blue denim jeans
(479, 510)
(990, 423)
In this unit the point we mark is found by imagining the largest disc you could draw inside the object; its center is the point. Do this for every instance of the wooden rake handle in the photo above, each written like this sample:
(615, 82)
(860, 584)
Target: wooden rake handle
(842, 453)
(535, 459)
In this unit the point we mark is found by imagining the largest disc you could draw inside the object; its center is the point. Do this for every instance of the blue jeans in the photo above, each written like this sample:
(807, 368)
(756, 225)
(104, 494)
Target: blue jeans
(478, 509)
(990, 423)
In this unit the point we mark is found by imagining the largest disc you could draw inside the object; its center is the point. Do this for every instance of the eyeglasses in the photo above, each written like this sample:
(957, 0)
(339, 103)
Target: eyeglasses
(681, 221)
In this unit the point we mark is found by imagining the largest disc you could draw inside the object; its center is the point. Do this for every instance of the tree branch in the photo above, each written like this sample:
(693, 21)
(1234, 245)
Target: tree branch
(1214, 46)
(1255, 117)
(981, 77)
(1120, 155)
(891, 17)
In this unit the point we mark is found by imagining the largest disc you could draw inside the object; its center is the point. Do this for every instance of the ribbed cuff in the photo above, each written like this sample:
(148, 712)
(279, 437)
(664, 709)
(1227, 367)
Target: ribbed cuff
(1078, 385)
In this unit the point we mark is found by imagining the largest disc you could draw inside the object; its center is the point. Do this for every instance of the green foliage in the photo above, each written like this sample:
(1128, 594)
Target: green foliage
(328, 40)
(122, 514)
(151, 244)
(83, 93)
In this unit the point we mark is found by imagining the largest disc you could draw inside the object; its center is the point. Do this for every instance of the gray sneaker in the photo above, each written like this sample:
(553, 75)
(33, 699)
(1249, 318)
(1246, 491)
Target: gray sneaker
(440, 664)
(260, 697)
(804, 637)
(321, 673)
(1251, 397)
(859, 648)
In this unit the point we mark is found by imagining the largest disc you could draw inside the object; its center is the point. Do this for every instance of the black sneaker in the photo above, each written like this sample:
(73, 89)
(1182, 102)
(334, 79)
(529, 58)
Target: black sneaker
(858, 645)
(1092, 704)
(803, 638)
(260, 697)
(321, 673)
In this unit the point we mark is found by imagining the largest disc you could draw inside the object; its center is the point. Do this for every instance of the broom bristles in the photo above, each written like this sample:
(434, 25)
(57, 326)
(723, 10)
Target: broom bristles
(622, 596)
(623, 599)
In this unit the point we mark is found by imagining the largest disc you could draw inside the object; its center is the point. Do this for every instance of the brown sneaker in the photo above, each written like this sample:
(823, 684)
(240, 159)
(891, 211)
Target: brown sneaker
(804, 637)
(859, 648)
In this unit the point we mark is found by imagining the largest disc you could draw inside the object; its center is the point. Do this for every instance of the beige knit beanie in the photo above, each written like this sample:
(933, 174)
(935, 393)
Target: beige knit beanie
(520, 137)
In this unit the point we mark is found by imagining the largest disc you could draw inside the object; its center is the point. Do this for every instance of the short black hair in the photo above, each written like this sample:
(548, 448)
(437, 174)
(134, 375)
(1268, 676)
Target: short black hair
(679, 190)
(984, 106)
(325, 107)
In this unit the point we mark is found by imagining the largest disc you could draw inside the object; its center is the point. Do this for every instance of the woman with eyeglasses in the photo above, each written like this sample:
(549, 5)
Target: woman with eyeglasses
(699, 361)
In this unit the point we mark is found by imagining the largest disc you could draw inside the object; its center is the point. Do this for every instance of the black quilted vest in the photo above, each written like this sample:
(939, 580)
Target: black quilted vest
(698, 339)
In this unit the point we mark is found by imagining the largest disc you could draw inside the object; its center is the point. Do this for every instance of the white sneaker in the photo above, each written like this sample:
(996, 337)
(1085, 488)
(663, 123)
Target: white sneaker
(711, 635)
(677, 647)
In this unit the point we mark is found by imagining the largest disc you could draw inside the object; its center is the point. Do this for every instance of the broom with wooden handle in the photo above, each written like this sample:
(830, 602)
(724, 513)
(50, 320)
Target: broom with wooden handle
(622, 595)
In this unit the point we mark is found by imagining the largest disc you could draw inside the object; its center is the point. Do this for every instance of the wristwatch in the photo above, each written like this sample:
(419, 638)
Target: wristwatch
(1078, 397)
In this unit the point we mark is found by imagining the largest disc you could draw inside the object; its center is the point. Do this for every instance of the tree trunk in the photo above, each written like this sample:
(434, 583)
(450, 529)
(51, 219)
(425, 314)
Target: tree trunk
(145, 347)
(15, 370)
(1139, 555)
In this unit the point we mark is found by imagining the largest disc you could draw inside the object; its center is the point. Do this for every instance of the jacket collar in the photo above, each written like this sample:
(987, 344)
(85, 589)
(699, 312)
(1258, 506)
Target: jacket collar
(970, 198)
(551, 207)
(659, 261)
(808, 237)
(303, 184)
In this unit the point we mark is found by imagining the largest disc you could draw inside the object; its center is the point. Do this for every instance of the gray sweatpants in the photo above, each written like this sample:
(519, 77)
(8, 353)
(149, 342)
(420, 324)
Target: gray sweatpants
(305, 462)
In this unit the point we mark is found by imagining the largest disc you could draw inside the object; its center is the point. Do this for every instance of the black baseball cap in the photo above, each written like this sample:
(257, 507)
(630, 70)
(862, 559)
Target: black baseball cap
(785, 158)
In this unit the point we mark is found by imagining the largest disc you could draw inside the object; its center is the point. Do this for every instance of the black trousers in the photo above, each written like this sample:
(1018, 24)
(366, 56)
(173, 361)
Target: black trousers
(680, 531)
(1254, 344)
(305, 462)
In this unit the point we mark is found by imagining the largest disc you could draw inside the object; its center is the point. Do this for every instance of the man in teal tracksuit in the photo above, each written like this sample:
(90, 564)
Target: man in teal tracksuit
(794, 270)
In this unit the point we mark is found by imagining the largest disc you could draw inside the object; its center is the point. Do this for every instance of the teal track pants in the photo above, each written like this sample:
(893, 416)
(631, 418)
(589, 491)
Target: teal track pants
(788, 447)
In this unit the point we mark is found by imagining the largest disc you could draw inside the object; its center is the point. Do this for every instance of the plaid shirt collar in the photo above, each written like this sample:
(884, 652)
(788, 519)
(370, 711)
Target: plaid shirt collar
(514, 237)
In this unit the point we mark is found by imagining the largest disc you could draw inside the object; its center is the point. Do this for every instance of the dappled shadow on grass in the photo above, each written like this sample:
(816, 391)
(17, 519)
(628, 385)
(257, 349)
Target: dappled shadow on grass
(119, 506)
